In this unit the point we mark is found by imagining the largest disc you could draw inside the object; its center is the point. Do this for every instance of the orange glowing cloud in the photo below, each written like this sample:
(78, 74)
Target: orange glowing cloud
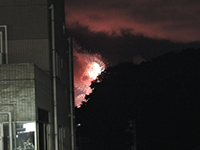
(176, 21)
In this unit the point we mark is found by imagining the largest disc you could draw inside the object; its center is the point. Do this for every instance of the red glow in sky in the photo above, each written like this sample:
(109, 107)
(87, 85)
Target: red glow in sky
(174, 20)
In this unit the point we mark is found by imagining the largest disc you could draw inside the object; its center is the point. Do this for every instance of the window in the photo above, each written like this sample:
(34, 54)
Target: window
(3, 44)
(25, 136)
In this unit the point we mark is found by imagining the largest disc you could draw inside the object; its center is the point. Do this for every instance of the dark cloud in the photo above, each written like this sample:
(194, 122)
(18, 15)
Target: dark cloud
(124, 48)
(163, 11)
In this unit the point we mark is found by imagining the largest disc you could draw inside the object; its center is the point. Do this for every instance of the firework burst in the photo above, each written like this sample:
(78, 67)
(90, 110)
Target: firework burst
(87, 67)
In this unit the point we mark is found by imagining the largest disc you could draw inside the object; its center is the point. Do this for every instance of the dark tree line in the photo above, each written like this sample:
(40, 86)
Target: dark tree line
(162, 95)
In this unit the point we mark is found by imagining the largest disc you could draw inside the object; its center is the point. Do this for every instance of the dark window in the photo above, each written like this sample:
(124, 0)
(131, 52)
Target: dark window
(43, 115)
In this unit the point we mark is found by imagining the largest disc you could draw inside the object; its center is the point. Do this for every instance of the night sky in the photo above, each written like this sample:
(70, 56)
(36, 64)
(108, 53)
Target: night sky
(133, 30)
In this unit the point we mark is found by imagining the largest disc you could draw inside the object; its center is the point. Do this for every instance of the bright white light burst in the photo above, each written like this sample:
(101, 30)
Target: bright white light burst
(87, 67)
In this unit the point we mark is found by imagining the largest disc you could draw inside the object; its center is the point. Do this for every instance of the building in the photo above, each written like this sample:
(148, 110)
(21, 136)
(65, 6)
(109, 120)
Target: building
(36, 77)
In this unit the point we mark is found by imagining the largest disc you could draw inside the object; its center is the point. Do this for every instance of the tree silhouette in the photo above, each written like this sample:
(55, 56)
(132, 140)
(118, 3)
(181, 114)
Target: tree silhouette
(161, 94)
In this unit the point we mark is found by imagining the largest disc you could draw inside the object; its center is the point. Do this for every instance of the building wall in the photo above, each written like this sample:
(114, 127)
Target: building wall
(43, 91)
(44, 100)
(28, 31)
(29, 51)
(25, 87)
(17, 91)
(63, 114)
(21, 2)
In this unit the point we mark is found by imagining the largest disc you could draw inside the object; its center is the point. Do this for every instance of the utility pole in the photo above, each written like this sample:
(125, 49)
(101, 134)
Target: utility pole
(132, 132)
